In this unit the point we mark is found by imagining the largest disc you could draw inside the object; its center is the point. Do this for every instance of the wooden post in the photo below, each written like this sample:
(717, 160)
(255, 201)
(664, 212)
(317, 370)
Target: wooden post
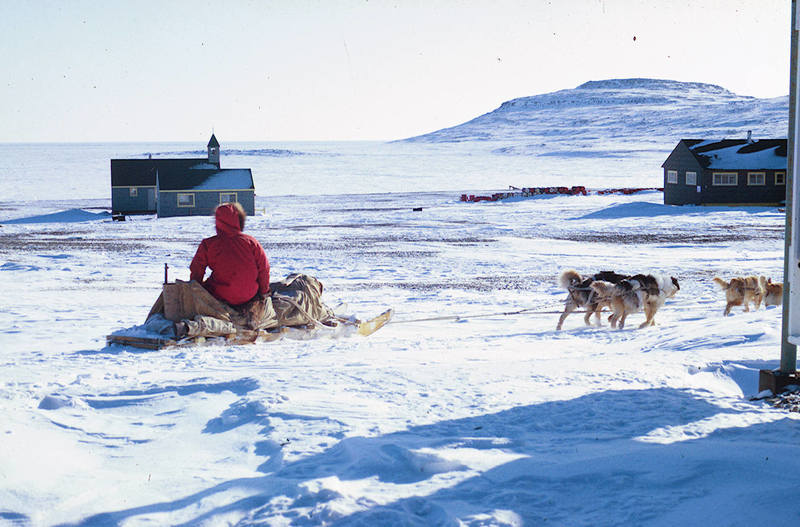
(166, 276)
(790, 330)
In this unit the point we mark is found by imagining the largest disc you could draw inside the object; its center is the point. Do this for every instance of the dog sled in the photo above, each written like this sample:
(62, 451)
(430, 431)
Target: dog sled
(185, 314)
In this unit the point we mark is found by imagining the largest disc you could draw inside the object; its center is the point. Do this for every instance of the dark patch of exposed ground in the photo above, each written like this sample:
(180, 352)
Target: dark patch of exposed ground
(16, 243)
(377, 243)
(681, 237)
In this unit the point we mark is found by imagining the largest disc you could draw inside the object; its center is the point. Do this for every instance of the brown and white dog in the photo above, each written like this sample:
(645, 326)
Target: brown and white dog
(741, 291)
(581, 295)
(774, 293)
(638, 293)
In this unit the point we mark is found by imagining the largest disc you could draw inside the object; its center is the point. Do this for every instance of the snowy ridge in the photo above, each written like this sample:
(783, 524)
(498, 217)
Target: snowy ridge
(622, 114)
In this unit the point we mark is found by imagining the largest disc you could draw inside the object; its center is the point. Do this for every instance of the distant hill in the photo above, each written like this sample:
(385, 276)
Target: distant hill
(617, 116)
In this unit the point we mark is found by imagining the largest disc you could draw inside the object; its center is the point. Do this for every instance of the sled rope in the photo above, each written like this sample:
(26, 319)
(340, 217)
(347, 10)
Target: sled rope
(530, 311)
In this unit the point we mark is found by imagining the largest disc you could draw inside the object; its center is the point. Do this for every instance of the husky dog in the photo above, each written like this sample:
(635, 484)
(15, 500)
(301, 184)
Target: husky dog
(638, 293)
(741, 291)
(774, 293)
(581, 295)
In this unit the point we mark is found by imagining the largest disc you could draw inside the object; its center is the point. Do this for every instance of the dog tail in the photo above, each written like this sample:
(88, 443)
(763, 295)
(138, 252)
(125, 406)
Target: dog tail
(569, 278)
(762, 282)
(722, 283)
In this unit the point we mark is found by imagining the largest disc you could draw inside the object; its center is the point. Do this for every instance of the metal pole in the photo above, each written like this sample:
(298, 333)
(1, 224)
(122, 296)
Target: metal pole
(790, 259)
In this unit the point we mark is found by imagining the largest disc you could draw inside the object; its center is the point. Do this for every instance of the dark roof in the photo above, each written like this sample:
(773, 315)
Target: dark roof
(213, 143)
(142, 172)
(739, 153)
(205, 179)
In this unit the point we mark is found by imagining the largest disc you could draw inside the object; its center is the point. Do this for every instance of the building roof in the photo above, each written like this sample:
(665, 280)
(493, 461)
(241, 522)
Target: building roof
(142, 172)
(213, 143)
(737, 154)
(205, 179)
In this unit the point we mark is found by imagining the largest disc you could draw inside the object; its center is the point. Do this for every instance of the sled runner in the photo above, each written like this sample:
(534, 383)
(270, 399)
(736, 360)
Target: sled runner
(185, 314)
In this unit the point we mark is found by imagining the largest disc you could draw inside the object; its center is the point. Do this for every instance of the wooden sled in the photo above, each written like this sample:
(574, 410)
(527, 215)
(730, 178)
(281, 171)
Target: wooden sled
(363, 328)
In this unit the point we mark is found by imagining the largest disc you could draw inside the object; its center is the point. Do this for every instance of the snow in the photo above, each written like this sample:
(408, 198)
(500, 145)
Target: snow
(730, 158)
(233, 178)
(477, 418)
(65, 216)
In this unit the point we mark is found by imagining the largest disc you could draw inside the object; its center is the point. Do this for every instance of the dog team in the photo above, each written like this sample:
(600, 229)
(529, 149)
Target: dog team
(626, 294)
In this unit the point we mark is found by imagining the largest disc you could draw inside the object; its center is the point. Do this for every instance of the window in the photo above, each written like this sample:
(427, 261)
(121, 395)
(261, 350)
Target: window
(780, 178)
(672, 176)
(730, 179)
(227, 197)
(133, 192)
(691, 178)
(756, 178)
(185, 200)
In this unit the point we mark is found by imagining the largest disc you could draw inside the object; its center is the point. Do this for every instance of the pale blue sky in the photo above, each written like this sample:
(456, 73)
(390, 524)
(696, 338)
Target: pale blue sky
(327, 70)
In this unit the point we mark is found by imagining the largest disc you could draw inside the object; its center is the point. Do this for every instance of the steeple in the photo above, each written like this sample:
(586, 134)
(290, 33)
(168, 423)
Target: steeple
(213, 150)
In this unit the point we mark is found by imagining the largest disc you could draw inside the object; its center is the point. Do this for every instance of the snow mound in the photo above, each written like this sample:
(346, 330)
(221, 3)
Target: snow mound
(65, 216)
(642, 209)
(54, 402)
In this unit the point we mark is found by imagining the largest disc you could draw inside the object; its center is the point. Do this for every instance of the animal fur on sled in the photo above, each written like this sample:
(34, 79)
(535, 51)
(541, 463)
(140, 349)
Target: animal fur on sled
(638, 293)
(581, 295)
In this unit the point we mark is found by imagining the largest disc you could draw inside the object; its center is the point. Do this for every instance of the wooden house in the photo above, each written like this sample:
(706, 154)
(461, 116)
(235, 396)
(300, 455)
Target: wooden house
(198, 191)
(134, 182)
(726, 172)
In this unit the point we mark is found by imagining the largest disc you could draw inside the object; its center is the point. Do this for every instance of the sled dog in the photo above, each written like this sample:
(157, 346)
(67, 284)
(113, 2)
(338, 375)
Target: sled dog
(741, 291)
(638, 293)
(583, 296)
(774, 293)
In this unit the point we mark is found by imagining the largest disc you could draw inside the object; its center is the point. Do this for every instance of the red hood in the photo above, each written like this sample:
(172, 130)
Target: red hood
(227, 220)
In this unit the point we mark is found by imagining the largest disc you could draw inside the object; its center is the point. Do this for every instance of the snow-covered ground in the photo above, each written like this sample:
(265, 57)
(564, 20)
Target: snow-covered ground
(489, 419)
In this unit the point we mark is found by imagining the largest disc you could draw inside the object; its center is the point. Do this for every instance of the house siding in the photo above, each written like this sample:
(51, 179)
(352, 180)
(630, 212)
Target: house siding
(205, 201)
(769, 193)
(682, 160)
(143, 203)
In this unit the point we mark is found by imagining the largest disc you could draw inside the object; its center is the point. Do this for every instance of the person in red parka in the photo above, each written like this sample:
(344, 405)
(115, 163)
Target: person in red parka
(239, 265)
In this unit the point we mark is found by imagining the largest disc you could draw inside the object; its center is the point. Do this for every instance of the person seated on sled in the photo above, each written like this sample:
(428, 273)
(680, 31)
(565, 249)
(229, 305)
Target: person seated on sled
(239, 265)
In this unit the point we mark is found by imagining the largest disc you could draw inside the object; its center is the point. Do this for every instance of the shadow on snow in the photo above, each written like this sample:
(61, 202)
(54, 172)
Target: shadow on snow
(577, 461)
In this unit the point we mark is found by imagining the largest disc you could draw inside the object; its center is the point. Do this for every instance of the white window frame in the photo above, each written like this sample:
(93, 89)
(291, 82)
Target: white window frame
(754, 177)
(725, 179)
(691, 180)
(185, 195)
(782, 180)
(672, 177)
(133, 192)
(223, 195)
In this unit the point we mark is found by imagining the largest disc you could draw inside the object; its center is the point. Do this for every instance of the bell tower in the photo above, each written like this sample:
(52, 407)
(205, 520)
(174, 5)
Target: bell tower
(213, 150)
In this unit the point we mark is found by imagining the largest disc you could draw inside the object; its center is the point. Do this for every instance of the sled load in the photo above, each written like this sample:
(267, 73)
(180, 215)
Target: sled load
(185, 314)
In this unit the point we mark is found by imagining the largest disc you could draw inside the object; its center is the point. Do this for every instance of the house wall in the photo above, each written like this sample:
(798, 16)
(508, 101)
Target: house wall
(682, 160)
(142, 203)
(769, 193)
(205, 202)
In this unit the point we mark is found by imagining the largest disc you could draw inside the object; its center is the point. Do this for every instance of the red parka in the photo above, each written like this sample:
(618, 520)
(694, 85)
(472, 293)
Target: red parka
(239, 265)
